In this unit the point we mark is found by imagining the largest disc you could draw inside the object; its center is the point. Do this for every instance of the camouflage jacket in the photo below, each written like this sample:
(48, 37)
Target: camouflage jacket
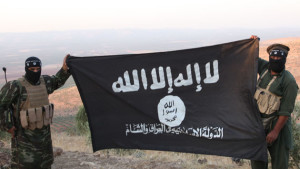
(10, 95)
(30, 145)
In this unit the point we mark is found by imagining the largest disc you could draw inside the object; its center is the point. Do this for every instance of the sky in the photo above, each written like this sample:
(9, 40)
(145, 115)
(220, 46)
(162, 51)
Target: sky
(62, 15)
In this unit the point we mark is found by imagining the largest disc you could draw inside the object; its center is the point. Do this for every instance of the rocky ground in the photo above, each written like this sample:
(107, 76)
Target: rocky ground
(79, 160)
(103, 160)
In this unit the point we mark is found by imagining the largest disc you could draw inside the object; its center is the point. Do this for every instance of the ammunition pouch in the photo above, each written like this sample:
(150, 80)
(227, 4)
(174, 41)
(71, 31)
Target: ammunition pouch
(267, 102)
(37, 117)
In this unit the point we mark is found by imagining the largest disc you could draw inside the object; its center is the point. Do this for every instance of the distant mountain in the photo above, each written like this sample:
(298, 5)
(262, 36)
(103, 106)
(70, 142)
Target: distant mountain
(51, 47)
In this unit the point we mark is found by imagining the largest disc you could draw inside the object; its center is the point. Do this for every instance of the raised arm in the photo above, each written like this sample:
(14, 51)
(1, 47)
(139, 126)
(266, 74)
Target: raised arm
(56, 81)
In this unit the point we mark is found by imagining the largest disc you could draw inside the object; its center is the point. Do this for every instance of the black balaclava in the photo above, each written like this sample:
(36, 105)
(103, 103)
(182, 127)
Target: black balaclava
(279, 64)
(33, 77)
(281, 51)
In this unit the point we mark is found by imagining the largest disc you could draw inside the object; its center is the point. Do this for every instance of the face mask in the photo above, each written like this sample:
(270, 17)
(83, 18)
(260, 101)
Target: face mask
(277, 65)
(33, 77)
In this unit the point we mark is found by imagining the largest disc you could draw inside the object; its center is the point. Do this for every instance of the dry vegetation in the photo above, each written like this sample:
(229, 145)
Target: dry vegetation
(78, 154)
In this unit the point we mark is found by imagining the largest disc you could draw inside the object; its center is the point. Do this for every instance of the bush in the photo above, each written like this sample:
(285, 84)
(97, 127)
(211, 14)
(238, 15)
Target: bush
(82, 123)
(295, 155)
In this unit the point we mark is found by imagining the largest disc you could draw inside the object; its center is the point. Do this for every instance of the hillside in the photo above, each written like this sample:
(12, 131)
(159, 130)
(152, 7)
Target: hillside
(66, 101)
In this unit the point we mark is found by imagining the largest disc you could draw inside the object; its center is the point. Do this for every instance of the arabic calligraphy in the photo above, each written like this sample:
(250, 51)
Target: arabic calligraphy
(159, 78)
(208, 132)
(171, 110)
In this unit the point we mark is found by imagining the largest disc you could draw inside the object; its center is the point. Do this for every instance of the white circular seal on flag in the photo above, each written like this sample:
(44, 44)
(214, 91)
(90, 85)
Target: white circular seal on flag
(171, 110)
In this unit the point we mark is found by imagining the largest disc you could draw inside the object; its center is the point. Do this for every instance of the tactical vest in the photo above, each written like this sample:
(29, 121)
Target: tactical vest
(36, 111)
(268, 103)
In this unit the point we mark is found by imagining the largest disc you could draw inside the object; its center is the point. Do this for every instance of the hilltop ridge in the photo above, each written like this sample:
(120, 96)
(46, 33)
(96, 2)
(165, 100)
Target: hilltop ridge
(293, 61)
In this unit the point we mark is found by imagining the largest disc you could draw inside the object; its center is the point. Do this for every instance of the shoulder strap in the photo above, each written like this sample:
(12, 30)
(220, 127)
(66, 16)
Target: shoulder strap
(269, 85)
(260, 77)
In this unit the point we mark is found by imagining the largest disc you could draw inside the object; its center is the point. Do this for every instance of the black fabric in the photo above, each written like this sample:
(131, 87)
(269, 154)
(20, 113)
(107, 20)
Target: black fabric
(32, 77)
(196, 100)
(32, 62)
(277, 65)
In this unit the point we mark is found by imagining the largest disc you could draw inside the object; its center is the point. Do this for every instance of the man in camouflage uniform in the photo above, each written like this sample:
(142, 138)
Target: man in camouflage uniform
(281, 84)
(31, 137)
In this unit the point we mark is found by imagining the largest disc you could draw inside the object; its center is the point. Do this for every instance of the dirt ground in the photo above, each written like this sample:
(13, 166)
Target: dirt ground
(77, 160)
(137, 160)
(80, 160)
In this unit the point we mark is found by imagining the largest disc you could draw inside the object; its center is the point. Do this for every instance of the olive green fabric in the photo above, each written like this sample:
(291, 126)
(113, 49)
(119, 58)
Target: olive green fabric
(30, 148)
(279, 155)
(285, 86)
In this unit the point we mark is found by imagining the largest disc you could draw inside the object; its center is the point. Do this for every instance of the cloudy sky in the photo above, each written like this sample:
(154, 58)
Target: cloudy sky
(58, 15)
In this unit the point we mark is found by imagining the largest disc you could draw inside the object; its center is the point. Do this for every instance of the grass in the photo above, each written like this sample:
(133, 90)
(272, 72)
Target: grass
(66, 135)
(69, 138)
(70, 142)
(78, 143)
(64, 124)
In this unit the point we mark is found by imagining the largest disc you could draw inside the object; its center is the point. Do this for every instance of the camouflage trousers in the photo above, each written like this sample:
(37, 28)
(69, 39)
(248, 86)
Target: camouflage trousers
(23, 158)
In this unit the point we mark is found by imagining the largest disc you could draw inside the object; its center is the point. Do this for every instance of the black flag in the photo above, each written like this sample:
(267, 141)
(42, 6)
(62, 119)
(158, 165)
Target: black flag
(196, 100)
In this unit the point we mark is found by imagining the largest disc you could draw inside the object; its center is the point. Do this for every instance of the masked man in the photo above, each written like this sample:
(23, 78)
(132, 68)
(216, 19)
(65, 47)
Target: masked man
(26, 113)
(275, 95)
